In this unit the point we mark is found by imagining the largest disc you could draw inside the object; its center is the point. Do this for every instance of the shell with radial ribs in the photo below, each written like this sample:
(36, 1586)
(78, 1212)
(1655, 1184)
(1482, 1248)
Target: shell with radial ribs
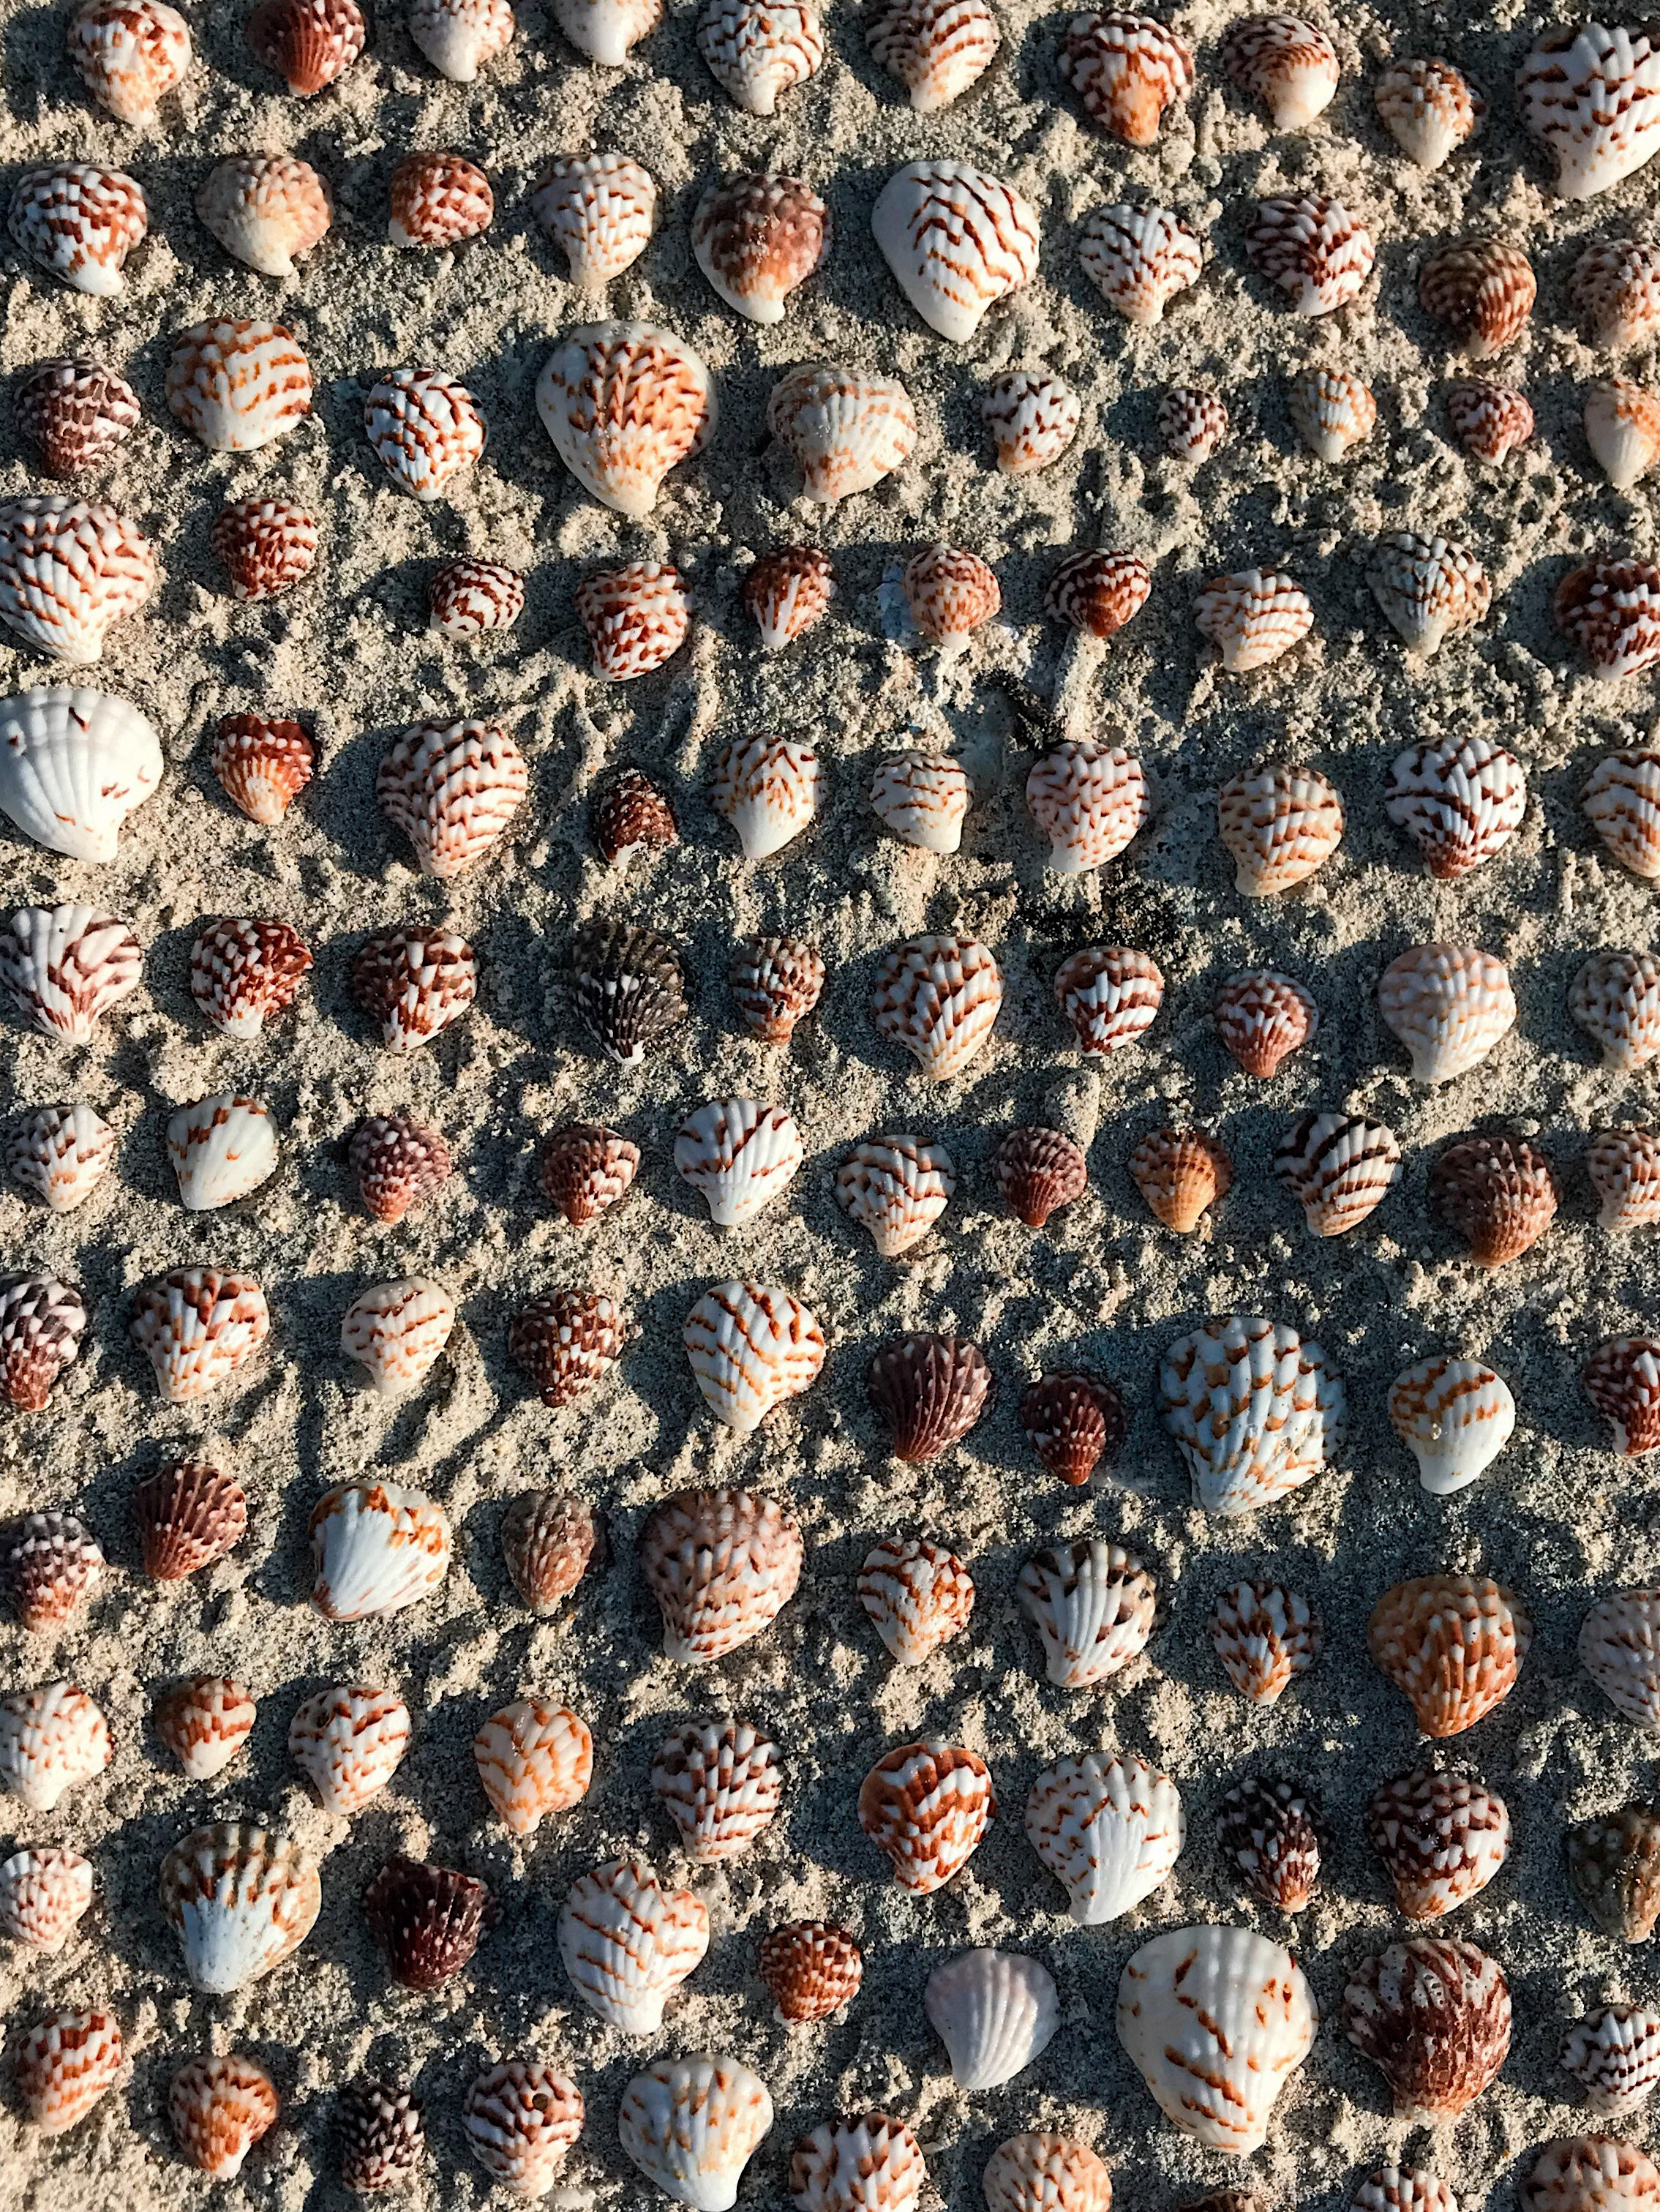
(922, 799)
(1459, 799)
(205, 1722)
(1127, 69)
(740, 1154)
(754, 53)
(397, 1163)
(262, 765)
(1192, 424)
(566, 1342)
(1614, 2054)
(1139, 258)
(236, 386)
(938, 997)
(692, 2124)
(1332, 410)
(1181, 1174)
(521, 2117)
(1614, 1868)
(129, 54)
(957, 239)
(348, 1740)
(1449, 1004)
(1032, 415)
(632, 813)
(79, 222)
(767, 789)
(69, 569)
(845, 430)
(995, 2011)
(935, 48)
(376, 1547)
(1454, 1417)
(414, 982)
(532, 1760)
(604, 30)
(1453, 1644)
(721, 1565)
(1037, 1171)
(776, 981)
(426, 1918)
(720, 1784)
(1488, 420)
(1441, 1836)
(221, 1148)
(382, 2141)
(241, 1898)
(1263, 1017)
(1591, 95)
(1264, 1635)
(1624, 1168)
(1430, 589)
(1215, 2020)
(1108, 1828)
(1286, 63)
(75, 412)
(1090, 800)
(789, 592)
(189, 1515)
(267, 210)
(62, 967)
(307, 43)
(1046, 2174)
(1622, 802)
(1622, 429)
(1097, 593)
(758, 237)
(1280, 823)
(265, 546)
(73, 764)
(928, 1391)
(627, 1943)
(1253, 615)
(1622, 1381)
(50, 1564)
(897, 1187)
(426, 430)
(949, 593)
(1339, 1167)
(548, 1540)
(599, 209)
(1615, 286)
(1611, 610)
(51, 1740)
(458, 37)
(219, 2106)
(1428, 107)
(1434, 2015)
(811, 1969)
(750, 1346)
(1619, 1648)
(1073, 1422)
(43, 1892)
(1313, 252)
(64, 2063)
(438, 199)
(466, 596)
(586, 1168)
(1498, 1193)
(196, 1327)
(926, 1805)
(59, 1154)
(1482, 290)
(1110, 994)
(396, 1330)
(636, 617)
(1615, 998)
(1253, 1408)
(622, 403)
(1092, 1604)
(918, 1597)
(1268, 1831)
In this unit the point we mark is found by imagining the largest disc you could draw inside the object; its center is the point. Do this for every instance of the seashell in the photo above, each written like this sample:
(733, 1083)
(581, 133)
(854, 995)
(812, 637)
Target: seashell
(65, 2064)
(1428, 109)
(599, 208)
(1046, 2174)
(1310, 249)
(1622, 802)
(1192, 424)
(995, 2012)
(1109, 994)
(1181, 1174)
(376, 1547)
(452, 790)
(73, 764)
(1459, 799)
(1449, 1004)
(69, 570)
(547, 1539)
(1615, 999)
(1488, 420)
(935, 48)
(1214, 2019)
(1092, 1604)
(918, 1595)
(1073, 1422)
(1613, 1868)
(75, 412)
(740, 1154)
(242, 971)
(760, 236)
(1454, 1417)
(532, 1760)
(1284, 63)
(262, 765)
(1109, 1829)
(241, 1898)
(956, 239)
(396, 1332)
(221, 1148)
(845, 430)
(236, 386)
(1615, 286)
(129, 54)
(1622, 1381)
(751, 1346)
(1430, 589)
(1127, 69)
(1264, 1634)
(1611, 610)
(566, 1342)
(426, 1918)
(937, 997)
(1331, 408)
(631, 812)
(722, 1565)
(220, 2107)
(627, 988)
(1090, 800)
(1032, 414)
(189, 1515)
(622, 403)
(1622, 429)
(397, 1164)
(266, 546)
(1591, 95)
(1452, 1643)
(205, 1722)
(438, 199)
(754, 53)
(787, 593)
(922, 799)
(348, 1741)
(604, 30)
(1498, 1194)
(1252, 616)
(1097, 593)
(1624, 1167)
(426, 430)
(307, 43)
(267, 210)
(767, 788)
(1339, 1167)
(811, 1969)
(62, 967)
(1139, 258)
(50, 1564)
(720, 1783)
(79, 222)
(42, 1894)
(1279, 824)
(929, 1390)
(51, 1739)
(1254, 1411)
(1617, 1649)
(382, 2141)
(196, 1327)
(458, 37)
(776, 981)
(1441, 1837)
(1267, 1833)
(586, 1168)
(1434, 2015)
(691, 2125)
(520, 2120)
(897, 1187)
(1482, 290)
(1037, 1171)
(950, 594)
(628, 1943)
(1614, 2052)
(1263, 1017)
(925, 1807)
(414, 982)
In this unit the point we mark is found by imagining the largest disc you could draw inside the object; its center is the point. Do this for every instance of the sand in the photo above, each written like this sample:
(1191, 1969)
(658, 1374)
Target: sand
(1559, 1518)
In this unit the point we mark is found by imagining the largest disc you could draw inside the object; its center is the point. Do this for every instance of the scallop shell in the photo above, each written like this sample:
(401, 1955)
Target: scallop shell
(1614, 1868)
(604, 30)
(205, 1722)
(426, 430)
(1452, 1643)
(1622, 802)
(1139, 258)
(788, 591)
(1267, 1832)
(692, 2124)
(189, 1515)
(1280, 823)
(751, 1346)
(1192, 424)
(1252, 616)
(927, 1806)
(520, 2120)
(1127, 69)
(957, 239)
(1332, 409)
(242, 971)
(1110, 994)
(1488, 420)
(1483, 291)
(721, 1565)
(767, 789)
(1339, 1168)
(73, 765)
(42, 1895)
(396, 1332)
(922, 798)
(1263, 1017)
(69, 570)
(1108, 1828)
(937, 997)
(1498, 1194)
(62, 967)
(1616, 285)
(348, 1740)
(1255, 1410)
(307, 43)
(1039, 1169)
(1097, 593)
(129, 54)
(567, 1341)
(810, 1969)
(845, 430)
(397, 1163)
(51, 1739)
(1046, 2174)
(1591, 95)
(238, 385)
(1311, 250)
(414, 982)
(1622, 1381)
(1092, 1603)
(241, 1898)
(437, 200)
(1434, 2015)
(1428, 109)
(1614, 2053)
(1624, 1168)
(599, 210)
(1622, 429)
(458, 37)
(64, 2065)
(1431, 588)
(949, 592)
(741, 1155)
(629, 989)
(1033, 416)
(995, 2012)
(195, 1328)
(1620, 1648)
(267, 210)
(79, 222)
(452, 788)
(1441, 1836)
(532, 1760)
(75, 412)
(1454, 1417)
(375, 1548)
(897, 1187)
(1611, 612)
(1264, 1636)
(1449, 1004)
(549, 1540)
(627, 1943)
(382, 2140)
(918, 1595)
(1615, 999)
(622, 403)
(221, 1148)
(1090, 800)
(466, 597)
(720, 1783)
(929, 1390)
(1459, 799)
(847, 2165)
(262, 765)
(754, 51)
(935, 48)
(1286, 63)
(757, 238)
(41, 1321)
(1073, 1422)
(776, 981)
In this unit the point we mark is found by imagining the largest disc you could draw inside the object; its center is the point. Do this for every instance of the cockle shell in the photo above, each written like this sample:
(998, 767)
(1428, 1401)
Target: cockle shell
(241, 1898)
(1622, 802)
(627, 1943)
(458, 37)
(1268, 1831)
(1139, 258)
(242, 971)
(751, 1346)
(567, 1341)
(415, 982)
(927, 1806)
(1127, 69)
(427, 1919)
(918, 1595)
(897, 1187)
(758, 237)
(1097, 593)
(1192, 424)
(599, 208)
(79, 222)
(266, 545)
(722, 1565)
(721, 1785)
(1434, 2015)
(1611, 610)
(586, 1168)
(1280, 823)
(1428, 109)
(1073, 1422)
(1614, 1868)
(1252, 616)
(49, 1565)
(741, 1155)
(810, 1969)
(929, 1390)
(604, 30)
(1264, 1634)
(1255, 1410)
(776, 981)
(922, 798)
(1332, 409)
(238, 385)
(1339, 1168)
(437, 200)
(1263, 1017)
(65, 2064)
(205, 1722)
(520, 2120)
(995, 2012)
(396, 1332)
(129, 54)
(375, 1548)
(1046, 2174)
(1090, 800)
(622, 403)
(1108, 1828)
(42, 1895)
(548, 1542)
(307, 43)
(1483, 291)
(767, 789)
(956, 239)
(1453, 1643)
(935, 48)
(1616, 285)
(1311, 250)
(1622, 1381)
(189, 1515)
(219, 2108)
(1430, 589)
(949, 592)
(69, 569)
(754, 51)
(426, 430)
(1498, 1194)
(1215, 2019)
(1614, 2053)
(632, 814)
(1622, 429)
(845, 431)
(262, 765)
(937, 997)
(73, 764)
(1591, 94)
(532, 1760)
(195, 1328)
(1624, 1168)
(1033, 416)
(1619, 1648)
(1441, 1835)
(75, 411)
(1459, 799)
(267, 210)
(1615, 998)
(51, 1739)
(1449, 1004)
(452, 789)
(398, 1163)
(629, 989)
(1454, 1417)
(1110, 994)
(849, 2164)
(221, 1148)
(1038, 1169)
(62, 967)
(1488, 420)
(692, 2124)
(41, 1321)
(1092, 1604)
(348, 1740)
(1285, 62)
(382, 2141)
(788, 591)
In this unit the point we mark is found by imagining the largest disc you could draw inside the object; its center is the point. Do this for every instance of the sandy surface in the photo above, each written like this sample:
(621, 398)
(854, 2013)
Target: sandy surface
(1559, 1518)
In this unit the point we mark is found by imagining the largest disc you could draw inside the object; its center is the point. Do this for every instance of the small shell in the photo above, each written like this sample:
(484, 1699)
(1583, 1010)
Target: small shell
(1434, 2015)
(267, 210)
(438, 199)
(68, 571)
(949, 593)
(566, 1342)
(65, 2064)
(957, 239)
(995, 2012)
(1449, 1004)
(426, 1918)
(604, 30)
(897, 1187)
(548, 1541)
(811, 1969)
(922, 799)
(348, 1741)
(266, 546)
(1622, 802)
(1192, 424)
(787, 593)
(236, 386)
(751, 1346)
(776, 981)
(130, 54)
(754, 51)
(1613, 1868)
(1073, 1422)
(722, 1565)
(1452, 1643)
(599, 208)
(741, 1156)
(79, 222)
(1267, 1832)
(382, 2143)
(426, 430)
(1339, 1168)
(1332, 409)
(1127, 69)
(205, 1722)
(1454, 1416)
(189, 1515)
(1108, 1828)
(631, 813)
(629, 989)
(1622, 1381)
(1097, 593)
(1428, 109)
(1459, 799)
(935, 48)
(1441, 1836)
(1430, 589)
(937, 997)
(767, 789)
(1252, 616)
(1311, 250)
(720, 1783)
(396, 1332)
(1286, 63)
(241, 1898)
(42, 1895)
(307, 43)
(925, 1807)
(1498, 1194)
(197, 1328)
(622, 403)
(458, 37)
(1611, 610)
(627, 1943)
(1264, 1635)
(918, 1595)
(845, 430)
(1181, 1174)
(1110, 994)
(221, 1148)
(1615, 999)
(520, 2119)
(1254, 1411)
(1483, 290)
(242, 971)
(636, 617)
(1089, 799)
(757, 238)
(49, 1565)
(62, 967)
(1092, 1604)
(1033, 416)
(416, 981)
(1280, 823)
(397, 1163)
(1263, 1017)
(692, 2124)
(1620, 1648)
(50, 1741)
(929, 1391)
(1592, 96)
(262, 765)
(1488, 420)
(1624, 1168)
(75, 412)
(585, 1169)
(1622, 429)
(1046, 2174)
(1615, 286)
(376, 1547)
(1037, 1171)
(73, 764)
(1139, 258)
(532, 1760)
(1614, 2053)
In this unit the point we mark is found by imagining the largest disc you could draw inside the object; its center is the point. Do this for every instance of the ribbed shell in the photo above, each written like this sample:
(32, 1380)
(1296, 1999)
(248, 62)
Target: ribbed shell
(938, 997)
(1449, 1004)
(452, 789)
(1033, 416)
(51, 1739)
(897, 1187)
(1428, 109)
(767, 789)
(758, 237)
(1431, 588)
(1110, 994)
(396, 1330)
(775, 981)
(458, 37)
(810, 1969)
(918, 1597)
(1253, 617)
(722, 1565)
(1046, 2174)
(534, 1759)
(195, 1328)
(936, 49)
(1127, 69)
(1332, 409)
(627, 987)
(599, 208)
(221, 1148)
(69, 569)
(1286, 63)
(692, 2124)
(1434, 2015)
(348, 1740)
(129, 54)
(927, 1806)
(73, 764)
(1454, 1416)
(1280, 823)
(521, 2118)
(1255, 1410)
(426, 430)
(1264, 1635)
(957, 239)
(1139, 258)
(1452, 1643)
(1620, 1648)
(238, 385)
(79, 222)
(1216, 2019)
(414, 982)
(1339, 1167)
(1459, 799)
(1108, 1828)
(1614, 2054)
(43, 1893)
(1092, 1604)
(1441, 1836)
(995, 2012)
(845, 431)
(1089, 800)
(627, 1943)
(754, 50)
(375, 1548)
(240, 1898)
(265, 210)
(622, 403)
(929, 1390)
(751, 1346)
(721, 1785)
(1311, 249)
(922, 799)
(1591, 95)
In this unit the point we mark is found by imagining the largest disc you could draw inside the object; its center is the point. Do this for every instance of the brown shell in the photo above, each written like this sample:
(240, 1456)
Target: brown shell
(74, 411)
(548, 1541)
(1591, 2174)
(1181, 1174)
(307, 43)
(1267, 1830)
(585, 1168)
(1613, 1864)
(1434, 2015)
(1482, 290)
(1263, 1017)
(1098, 592)
(811, 1968)
(382, 2141)
(1622, 1381)
(398, 1163)
(1073, 1422)
(776, 981)
(426, 1918)
(50, 1564)
(1441, 1836)
(1038, 1169)
(566, 1341)
(630, 812)
(1499, 1192)
(1453, 1643)
(189, 1515)
(930, 1391)
(1264, 1634)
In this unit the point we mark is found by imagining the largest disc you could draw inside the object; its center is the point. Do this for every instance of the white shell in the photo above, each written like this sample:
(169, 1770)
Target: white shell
(73, 765)
(1215, 2019)
(222, 1148)
(1253, 1408)
(375, 1547)
(750, 1346)
(995, 2012)
(1454, 1416)
(922, 798)
(1619, 1650)
(66, 965)
(1591, 94)
(397, 1330)
(628, 1943)
(756, 49)
(50, 1739)
(1108, 1828)
(897, 1187)
(1449, 1004)
(604, 30)
(60, 1153)
(622, 403)
(240, 1899)
(600, 208)
(1092, 1603)
(845, 430)
(1139, 258)
(956, 239)
(767, 788)
(1616, 2052)
(691, 2125)
(347, 1740)
(457, 35)
(1089, 799)
(740, 1154)
(69, 569)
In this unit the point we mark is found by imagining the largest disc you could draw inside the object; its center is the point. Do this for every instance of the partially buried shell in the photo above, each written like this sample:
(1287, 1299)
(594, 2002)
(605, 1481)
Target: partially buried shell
(452, 788)
(1614, 2053)
(995, 2012)
(348, 1741)
(73, 764)
(1434, 2015)
(1449, 1004)
(692, 2124)
(740, 1154)
(721, 1785)
(241, 1898)
(938, 997)
(751, 1346)
(627, 1943)
(1453, 1643)
(722, 1565)
(1092, 1604)
(622, 403)
(757, 238)
(845, 431)
(1046, 2174)
(1280, 823)
(375, 1548)
(1108, 1828)
(1253, 1408)
(957, 239)
(129, 54)
(927, 1806)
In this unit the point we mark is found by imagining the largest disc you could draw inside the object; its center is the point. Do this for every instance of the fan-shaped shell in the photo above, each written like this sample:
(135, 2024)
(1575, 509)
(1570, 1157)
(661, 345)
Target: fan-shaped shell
(1441, 1835)
(927, 1806)
(599, 208)
(722, 1784)
(1090, 800)
(534, 1759)
(627, 1943)
(1110, 994)
(1092, 1604)
(521, 2118)
(692, 2124)
(1620, 1648)
(1454, 1416)
(1431, 588)
(1591, 94)
(1046, 2174)
(750, 1346)
(918, 1597)
(196, 1327)
(241, 1898)
(1433, 2014)
(897, 1187)
(458, 37)
(622, 403)
(375, 1547)
(604, 30)
(767, 789)
(1108, 1828)
(1264, 1635)
(1127, 69)
(1332, 409)
(396, 1330)
(1453, 1643)
(935, 48)
(1339, 1168)
(757, 238)
(69, 569)
(938, 997)
(130, 54)
(42, 1895)
(451, 788)
(1311, 249)
(347, 1740)
(1428, 109)
(1459, 799)
(221, 1148)
(740, 1154)
(956, 239)
(51, 1739)
(995, 2012)
(1255, 1410)
(1449, 1004)
(1614, 2053)
(1252, 616)
(722, 1565)
(845, 430)
(1288, 64)
(929, 1390)
(73, 765)
(1139, 258)
(1280, 823)
(1033, 416)
(1622, 802)
(238, 385)
(922, 798)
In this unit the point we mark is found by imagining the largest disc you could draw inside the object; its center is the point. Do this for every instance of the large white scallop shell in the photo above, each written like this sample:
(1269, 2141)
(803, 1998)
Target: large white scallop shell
(240, 1899)
(73, 765)
(221, 1148)
(1253, 1408)
(740, 1154)
(692, 2124)
(628, 1943)
(375, 1547)
(995, 2011)
(750, 1346)
(395, 1332)
(622, 403)
(1108, 1828)
(956, 239)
